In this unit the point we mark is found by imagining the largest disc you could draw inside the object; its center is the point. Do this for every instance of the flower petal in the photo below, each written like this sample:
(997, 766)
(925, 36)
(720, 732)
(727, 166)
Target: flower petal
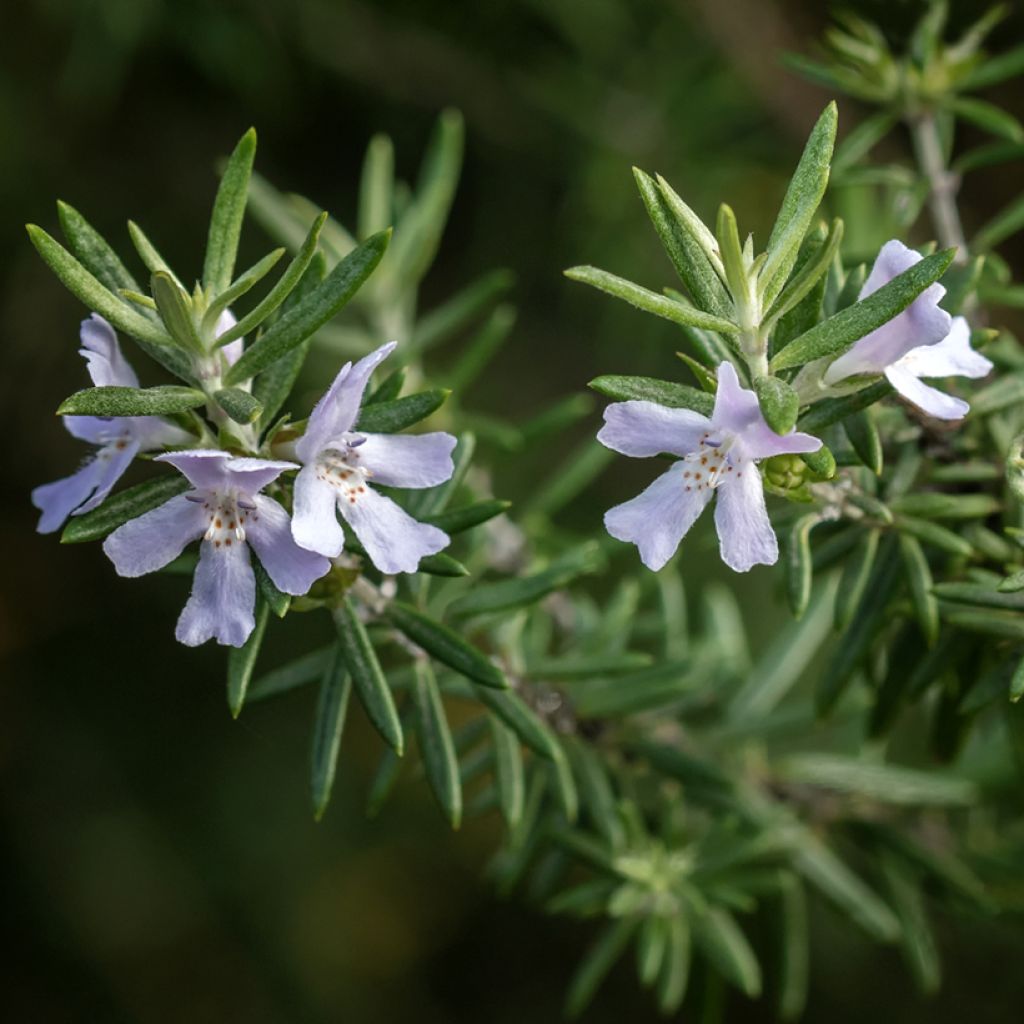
(745, 534)
(736, 407)
(408, 460)
(335, 414)
(644, 429)
(113, 460)
(658, 518)
(59, 499)
(223, 598)
(929, 400)
(951, 357)
(761, 442)
(210, 469)
(156, 537)
(315, 525)
(921, 323)
(268, 530)
(394, 540)
(106, 364)
(233, 350)
(95, 429)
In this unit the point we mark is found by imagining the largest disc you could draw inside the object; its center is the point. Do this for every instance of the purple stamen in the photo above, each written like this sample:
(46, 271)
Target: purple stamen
(247, 505)
(356, 441)
(197, 498)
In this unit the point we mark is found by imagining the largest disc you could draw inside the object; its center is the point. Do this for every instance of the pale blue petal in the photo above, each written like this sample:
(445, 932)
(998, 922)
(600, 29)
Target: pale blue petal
(152, 432)
(106, 364)
(644, 429)
(407, 460)
(251, 475)
(268, 530)
(394, 540)
(223, 599)
(113, 461)
(157, 537)
(761, 442)
(204, 467)
(315, 525)
(59, 499)
(335, 414)
(736, 407)
(658, 519)
(951, 357)
(233, 350)
(745, 534)
(923, 396)
(921, 323)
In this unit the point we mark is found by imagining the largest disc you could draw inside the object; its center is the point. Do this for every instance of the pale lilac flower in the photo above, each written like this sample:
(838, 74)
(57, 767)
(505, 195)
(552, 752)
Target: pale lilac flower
(226, 509)
(338, 465)
(951, 357)
(119, 439)
(923, 322)
(718, 454)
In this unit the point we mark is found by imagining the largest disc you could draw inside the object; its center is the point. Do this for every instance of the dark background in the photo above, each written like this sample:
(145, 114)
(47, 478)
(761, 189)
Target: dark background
(158, 861)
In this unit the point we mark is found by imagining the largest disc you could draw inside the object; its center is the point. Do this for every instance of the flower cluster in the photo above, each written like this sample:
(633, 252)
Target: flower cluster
(720, 454)
(225, 507)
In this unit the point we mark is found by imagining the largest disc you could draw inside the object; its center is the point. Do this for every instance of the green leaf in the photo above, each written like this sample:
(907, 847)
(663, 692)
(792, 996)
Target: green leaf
(285, 285)
(799, 205)
(120, 401)
(890, 784)
(937, 536)
(508, 771)
(239, 287)
(242, 660)
(376, 187)
(663, 392)
(93, 251)
(722, 941)
(799, 564)
(859, 142)
(599, 960)
(836, 334)
(446, 645)
(863, 435)
(461, 310)
(833, 410)
(794, 948)
(690, 245)
(273, 386)
(821, 463)
(442, 565)
(481, 348)
(854, 579)
(390, 387)
(979, 595)
(808, 276)
(175, 309)
(779, 403)
(521, 719)
(855, 642)
(419, 230)
(154, 262)
(239, 404)
(919, 582)
(515, 593)
(932, 505)
(1002, 226)
(458, 519)
(278, 601)
(917, 939)
(1017, 682)
(988, 117)
(675, 966)
(400, 413)
(228, 213)
(651, 945)
(120, 507)
(824, 870)
(308, 316)
(363, 666)
(729, 245)
(650, 302)
(292, 675)
(92, 293)
(328, 723)
(435, 741)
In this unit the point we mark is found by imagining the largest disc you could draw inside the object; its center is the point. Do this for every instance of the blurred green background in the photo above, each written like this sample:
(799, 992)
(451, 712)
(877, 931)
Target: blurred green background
(158, 861)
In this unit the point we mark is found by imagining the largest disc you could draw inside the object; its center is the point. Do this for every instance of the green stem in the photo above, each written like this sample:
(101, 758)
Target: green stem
(942, 184)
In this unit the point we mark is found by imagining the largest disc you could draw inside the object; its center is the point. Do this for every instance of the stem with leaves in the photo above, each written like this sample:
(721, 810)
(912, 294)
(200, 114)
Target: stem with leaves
(942, 184)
